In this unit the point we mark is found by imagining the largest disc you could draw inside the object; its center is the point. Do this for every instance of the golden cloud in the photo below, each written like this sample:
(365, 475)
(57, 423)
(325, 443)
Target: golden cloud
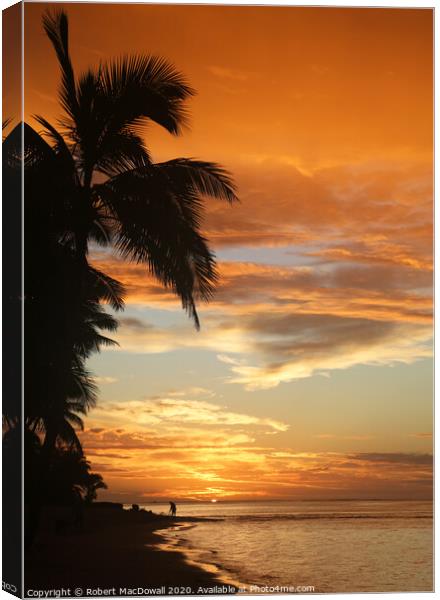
(245, 470)
(178, 410)
(360, 290)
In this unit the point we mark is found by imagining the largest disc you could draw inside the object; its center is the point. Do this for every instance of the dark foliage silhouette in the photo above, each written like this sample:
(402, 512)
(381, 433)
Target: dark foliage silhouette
(90, 181)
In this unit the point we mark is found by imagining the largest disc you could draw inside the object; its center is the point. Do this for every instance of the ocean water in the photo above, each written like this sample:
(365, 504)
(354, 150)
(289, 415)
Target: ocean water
(333, 546)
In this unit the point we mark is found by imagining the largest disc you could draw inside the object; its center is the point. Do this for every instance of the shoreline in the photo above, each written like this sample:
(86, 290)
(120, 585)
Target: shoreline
(117, 550)
(192, 556)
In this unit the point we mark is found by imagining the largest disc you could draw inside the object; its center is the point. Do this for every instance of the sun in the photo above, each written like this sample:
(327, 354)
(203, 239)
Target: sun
(214, 500)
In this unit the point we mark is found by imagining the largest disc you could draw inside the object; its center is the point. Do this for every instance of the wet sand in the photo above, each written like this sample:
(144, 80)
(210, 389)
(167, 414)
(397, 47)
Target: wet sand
(115, 549)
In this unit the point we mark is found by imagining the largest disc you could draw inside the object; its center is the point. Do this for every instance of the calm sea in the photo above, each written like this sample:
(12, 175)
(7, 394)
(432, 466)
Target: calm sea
(336, 546)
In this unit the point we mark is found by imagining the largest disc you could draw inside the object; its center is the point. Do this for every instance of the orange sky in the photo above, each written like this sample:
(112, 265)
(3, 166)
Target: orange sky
(311, 376)
(317, 86)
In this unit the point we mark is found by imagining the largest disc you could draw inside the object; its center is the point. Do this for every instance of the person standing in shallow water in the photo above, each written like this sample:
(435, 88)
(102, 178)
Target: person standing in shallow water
(173, 509)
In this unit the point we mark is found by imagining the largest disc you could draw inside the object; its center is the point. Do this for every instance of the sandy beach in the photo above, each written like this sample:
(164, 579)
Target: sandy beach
(115, 549)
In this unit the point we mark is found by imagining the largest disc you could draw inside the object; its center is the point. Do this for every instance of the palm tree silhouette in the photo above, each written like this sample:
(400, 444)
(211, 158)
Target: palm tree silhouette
(150, 212)
(93, 182)
(64, 317)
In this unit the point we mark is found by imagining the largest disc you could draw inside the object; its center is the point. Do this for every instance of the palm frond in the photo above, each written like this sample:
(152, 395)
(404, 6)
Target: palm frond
(5, 123)
(74, 420)
(82, 386)
(139, 88)
(59, 142)
(108, 289)
(101, 230)
(159, 228)
(95, 316)
(67, 434)
(121, 151)
(56, 27)
(88, 124)
(74, 405)
(201, 177)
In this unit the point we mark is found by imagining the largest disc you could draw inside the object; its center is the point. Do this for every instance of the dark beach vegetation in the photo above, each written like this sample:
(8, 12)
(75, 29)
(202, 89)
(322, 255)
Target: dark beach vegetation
(90, 181)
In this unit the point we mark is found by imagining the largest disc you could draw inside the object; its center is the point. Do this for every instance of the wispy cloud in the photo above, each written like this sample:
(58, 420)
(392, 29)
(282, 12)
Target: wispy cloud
(274, 324)
(264, 348)
(105, 380)
(359, 291)
(178, 410)
(394, 457)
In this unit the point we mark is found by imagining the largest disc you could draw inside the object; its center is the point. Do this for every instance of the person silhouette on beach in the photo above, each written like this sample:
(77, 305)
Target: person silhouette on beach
(173, 509)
